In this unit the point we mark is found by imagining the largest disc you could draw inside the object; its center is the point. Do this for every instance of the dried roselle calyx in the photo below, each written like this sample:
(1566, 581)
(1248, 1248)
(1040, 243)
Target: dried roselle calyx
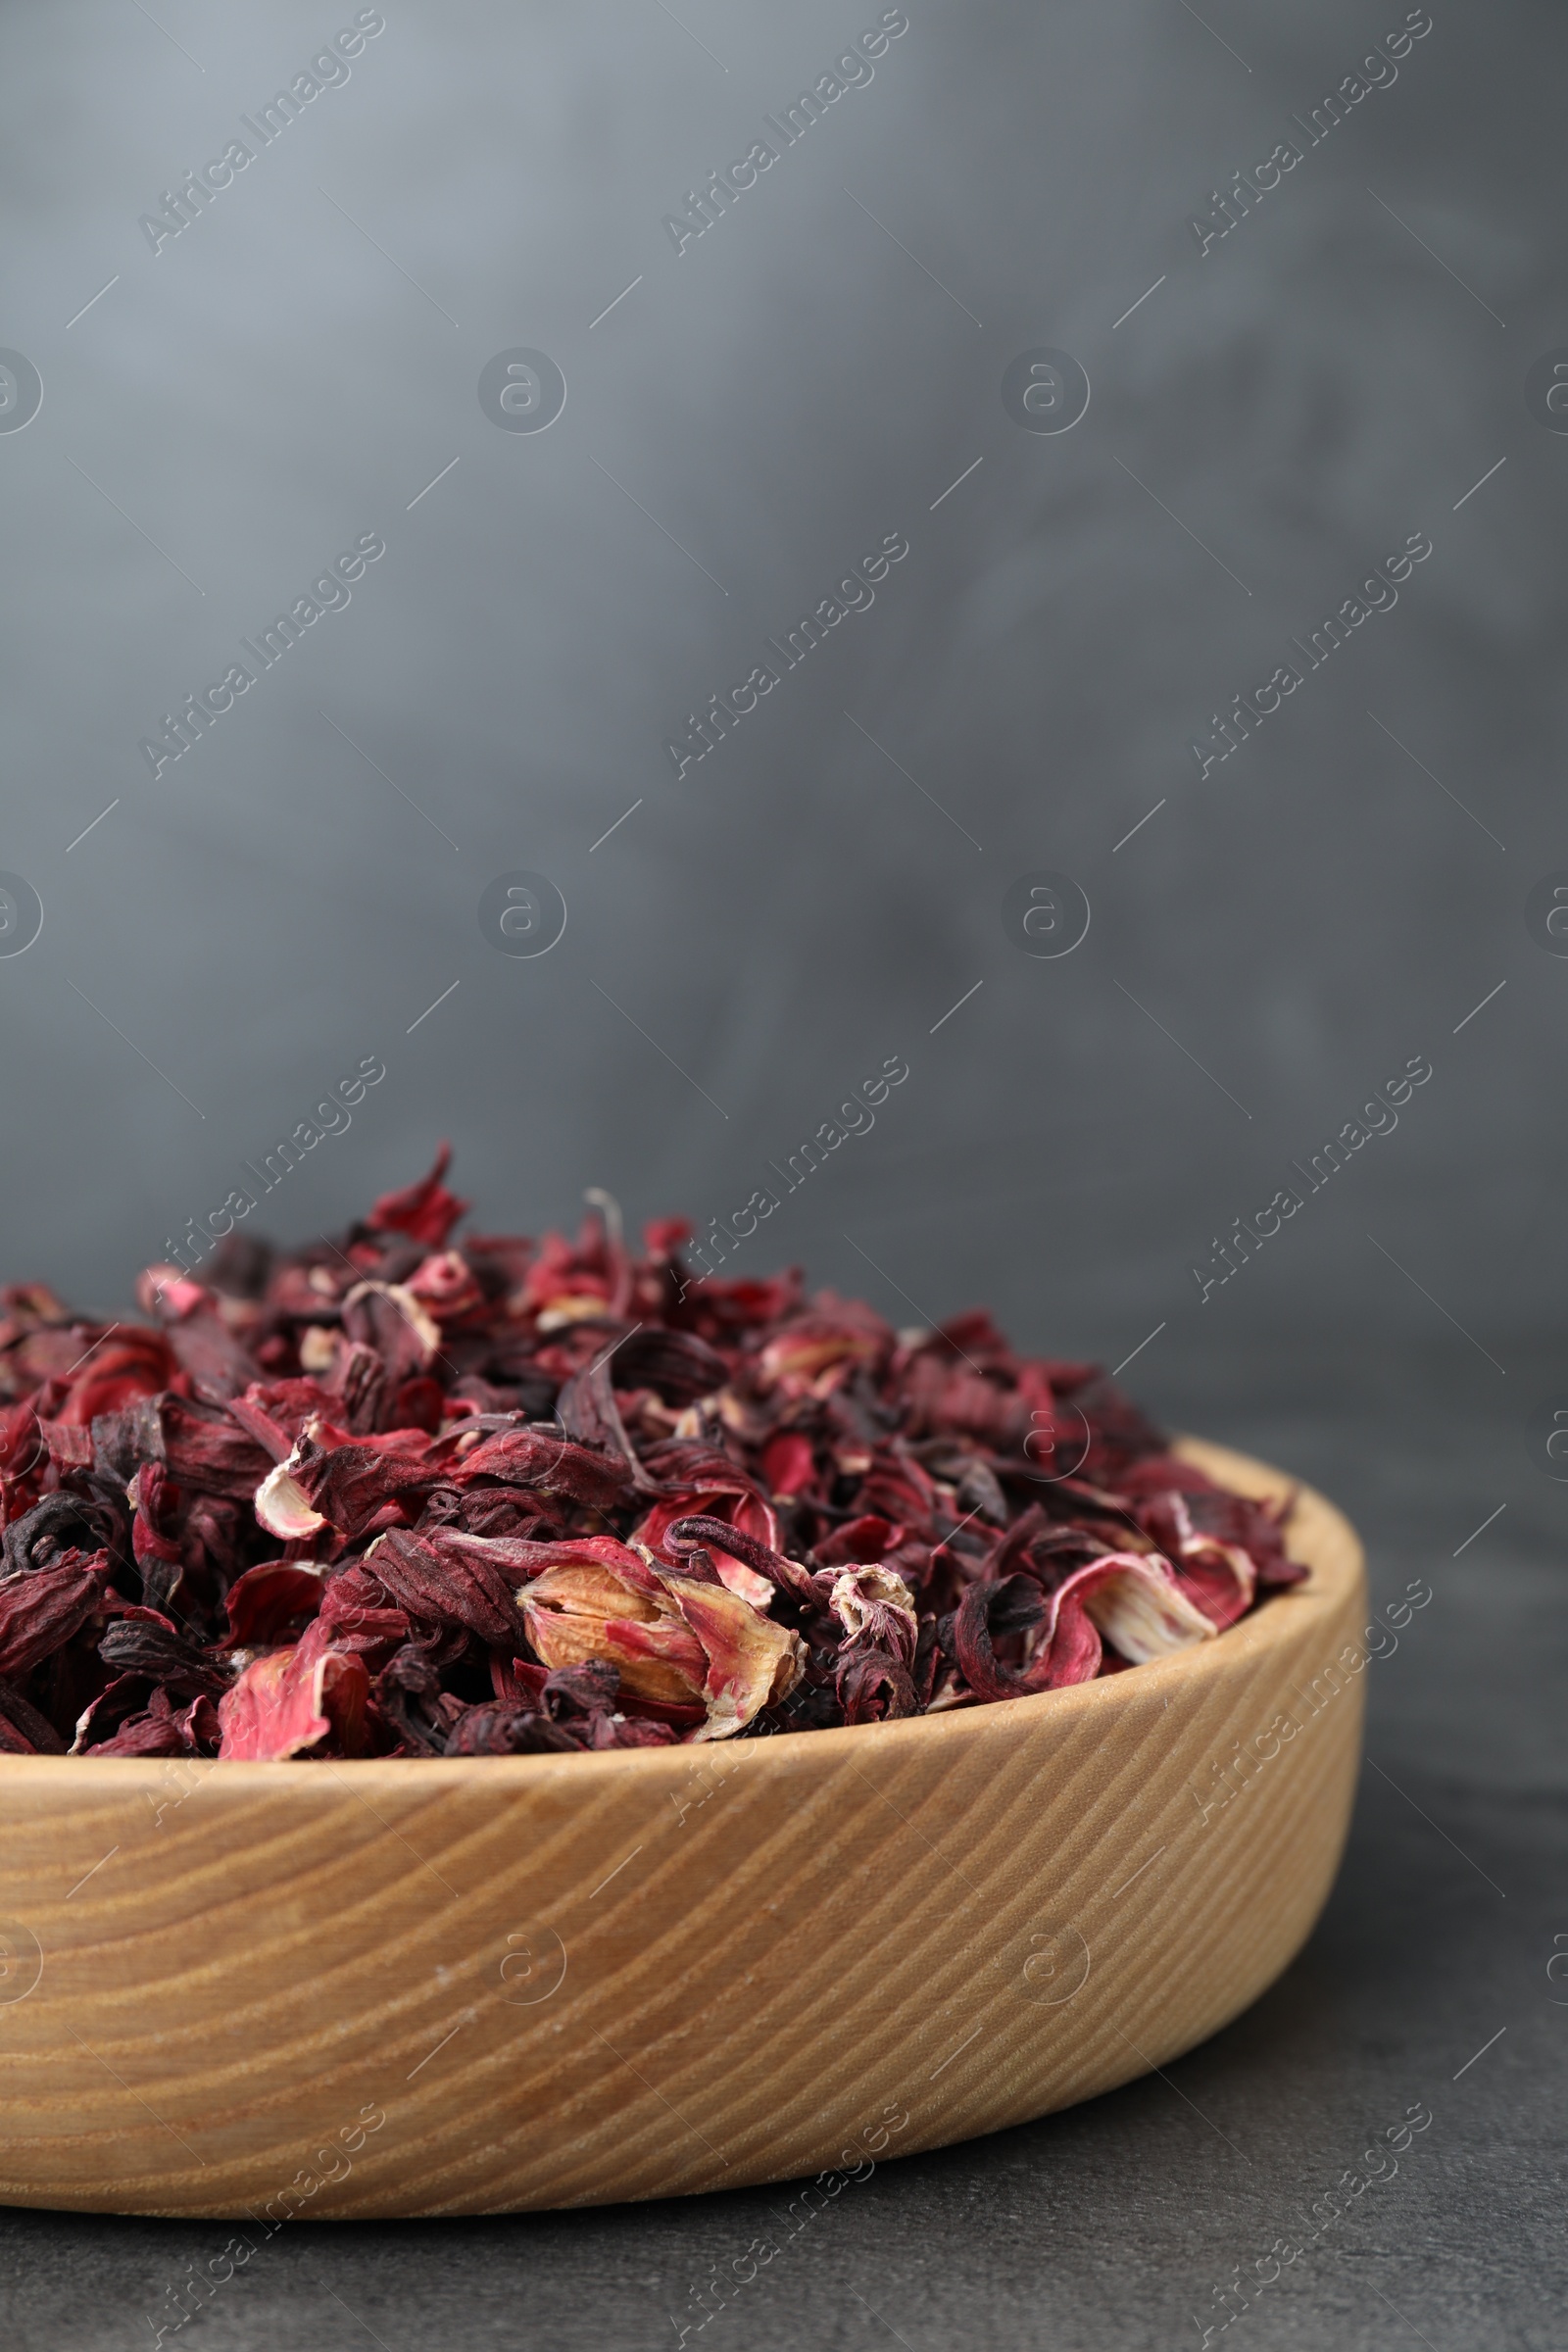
(24, 1730)
(124, 1439)
(685, 1536)
(876, 1609)
(694, 1650)
(41, 1610)
(590, 1688)
(426, 1210)
(1129, 1599)
(411, 1493)
(143, 1643)
(500, 1729)
(874, 1686)
(307, 1696)
(445, 1582)
(60, 1523)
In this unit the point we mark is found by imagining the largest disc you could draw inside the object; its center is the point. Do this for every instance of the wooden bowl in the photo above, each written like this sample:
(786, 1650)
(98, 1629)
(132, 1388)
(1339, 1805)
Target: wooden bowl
(491, 1985)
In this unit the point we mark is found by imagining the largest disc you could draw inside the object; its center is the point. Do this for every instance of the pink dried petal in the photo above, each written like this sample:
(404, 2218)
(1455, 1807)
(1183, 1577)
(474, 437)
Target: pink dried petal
(1132, 1599)
(251, 1412)
(114, 1370)
(70, 1446)
(752, 1662)
(789, 1465)
(445, 1286)
(283, 1507)
(1136, 1602)
(1222, 1578)
(291, 1699)
(859, 1541)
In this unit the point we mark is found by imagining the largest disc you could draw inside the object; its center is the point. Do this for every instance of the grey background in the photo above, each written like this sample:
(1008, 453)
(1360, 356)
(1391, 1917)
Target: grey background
(778, 396)
(800, 381)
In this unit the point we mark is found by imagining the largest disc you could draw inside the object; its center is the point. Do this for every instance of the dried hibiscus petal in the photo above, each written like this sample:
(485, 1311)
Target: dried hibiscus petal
(1129, 1599)
(542, 1459)
(877, 1611)
(290, 1699)
(24, 1730)
(677, 1642)
(874, 1686)
(698, 1534)
(550, 1496)
(445, 1583)
(162, 1731)
(208, 1452)
(426, 1211)
(344, 1485)
(41, 1610)
(141, 1641)
(62, 1523)
(723, 1494)
(264, 1600)
(500, 1728)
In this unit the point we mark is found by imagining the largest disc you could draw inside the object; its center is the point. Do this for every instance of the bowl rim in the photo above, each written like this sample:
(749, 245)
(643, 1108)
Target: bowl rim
(1316, 1533)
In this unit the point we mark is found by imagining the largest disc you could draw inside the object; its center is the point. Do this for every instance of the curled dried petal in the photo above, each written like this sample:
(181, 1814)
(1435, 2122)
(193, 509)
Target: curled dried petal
(260, 1603)
(684, 1537)
(291, 1699)
(143, 1643)
(386, 1304)
(500, 1729)
(877, 1611)
(752, 1662)
(283, 1507)
(677, 1642)
(1131, 1598)
(874, 1687)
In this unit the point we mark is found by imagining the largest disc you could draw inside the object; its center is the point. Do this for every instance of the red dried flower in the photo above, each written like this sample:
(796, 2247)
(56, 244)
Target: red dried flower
(295, 1698)
(404, 1494)
(426, 1211)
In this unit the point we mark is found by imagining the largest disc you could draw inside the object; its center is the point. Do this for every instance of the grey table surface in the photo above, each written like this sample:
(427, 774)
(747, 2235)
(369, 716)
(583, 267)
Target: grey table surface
(1114, 2225)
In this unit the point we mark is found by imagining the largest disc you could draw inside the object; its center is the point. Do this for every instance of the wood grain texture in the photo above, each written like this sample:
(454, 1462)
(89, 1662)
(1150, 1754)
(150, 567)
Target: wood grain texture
(568, 1980)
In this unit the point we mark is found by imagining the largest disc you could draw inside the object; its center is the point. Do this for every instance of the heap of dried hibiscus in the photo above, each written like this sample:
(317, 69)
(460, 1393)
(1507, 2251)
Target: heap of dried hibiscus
(400, 1495)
